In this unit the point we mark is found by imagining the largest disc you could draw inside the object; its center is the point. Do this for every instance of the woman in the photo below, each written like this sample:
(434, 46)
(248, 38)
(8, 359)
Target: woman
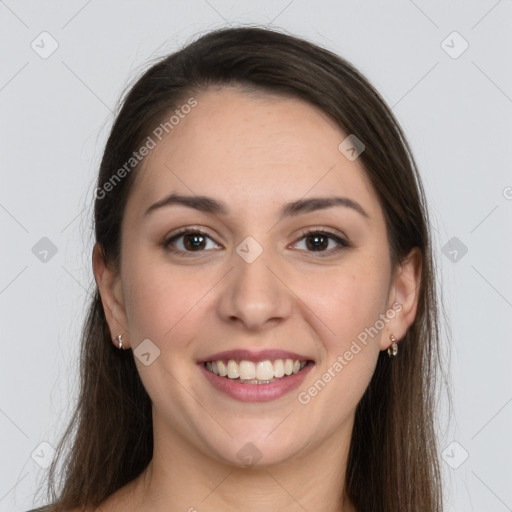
(264, 331)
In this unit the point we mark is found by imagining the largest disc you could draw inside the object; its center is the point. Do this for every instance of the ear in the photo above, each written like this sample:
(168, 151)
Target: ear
(111, 292)
(403, 297)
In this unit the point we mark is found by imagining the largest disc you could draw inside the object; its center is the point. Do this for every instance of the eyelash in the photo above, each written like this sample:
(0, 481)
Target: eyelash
(342, 243)
(167, 242)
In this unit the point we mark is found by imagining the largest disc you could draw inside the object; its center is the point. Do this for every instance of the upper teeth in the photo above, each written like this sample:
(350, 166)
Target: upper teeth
(262, 370)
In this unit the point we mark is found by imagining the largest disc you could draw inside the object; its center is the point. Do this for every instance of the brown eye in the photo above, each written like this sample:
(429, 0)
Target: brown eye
(321, 242)
(194, 242)
(317, 242)
(190, 241)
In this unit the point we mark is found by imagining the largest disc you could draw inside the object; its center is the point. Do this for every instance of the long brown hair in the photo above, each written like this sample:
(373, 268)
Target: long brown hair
(393, 462)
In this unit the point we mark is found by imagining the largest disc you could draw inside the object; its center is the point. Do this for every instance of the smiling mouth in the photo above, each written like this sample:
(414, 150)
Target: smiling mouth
(262, 372)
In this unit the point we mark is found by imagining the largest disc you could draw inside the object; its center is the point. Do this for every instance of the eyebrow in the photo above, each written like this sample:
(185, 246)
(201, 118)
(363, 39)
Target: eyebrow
(213, 206)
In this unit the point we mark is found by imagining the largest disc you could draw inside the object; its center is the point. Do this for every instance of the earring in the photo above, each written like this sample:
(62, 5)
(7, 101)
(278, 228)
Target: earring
(393, 349)
(119, 339)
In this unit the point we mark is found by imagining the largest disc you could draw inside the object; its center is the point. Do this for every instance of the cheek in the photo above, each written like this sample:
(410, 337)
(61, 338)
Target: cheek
(348, 299)
(165, 304)
(346, 317)
(156, 298)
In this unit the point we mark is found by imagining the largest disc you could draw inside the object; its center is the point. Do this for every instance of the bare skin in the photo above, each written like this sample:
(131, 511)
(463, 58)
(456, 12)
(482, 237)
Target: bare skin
(254, 154)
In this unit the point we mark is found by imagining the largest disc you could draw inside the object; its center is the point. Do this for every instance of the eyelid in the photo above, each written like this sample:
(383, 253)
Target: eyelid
(325, 231)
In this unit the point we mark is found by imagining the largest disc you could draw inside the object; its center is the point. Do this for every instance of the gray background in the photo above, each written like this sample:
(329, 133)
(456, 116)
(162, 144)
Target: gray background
(456, 109)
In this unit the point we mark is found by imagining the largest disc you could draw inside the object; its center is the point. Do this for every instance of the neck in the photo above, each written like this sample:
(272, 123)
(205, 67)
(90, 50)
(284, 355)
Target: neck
(182, 478)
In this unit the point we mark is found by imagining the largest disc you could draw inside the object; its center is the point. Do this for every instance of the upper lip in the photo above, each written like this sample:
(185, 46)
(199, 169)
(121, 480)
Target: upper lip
(254, 356)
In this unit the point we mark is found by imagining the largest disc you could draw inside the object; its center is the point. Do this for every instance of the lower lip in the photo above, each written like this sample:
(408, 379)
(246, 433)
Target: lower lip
(256, 392)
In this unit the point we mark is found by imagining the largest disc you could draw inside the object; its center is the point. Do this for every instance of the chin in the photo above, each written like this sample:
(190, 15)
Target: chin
(256, 452)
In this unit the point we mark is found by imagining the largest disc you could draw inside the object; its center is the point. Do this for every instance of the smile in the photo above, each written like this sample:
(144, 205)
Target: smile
(255, 375)
(261, 372)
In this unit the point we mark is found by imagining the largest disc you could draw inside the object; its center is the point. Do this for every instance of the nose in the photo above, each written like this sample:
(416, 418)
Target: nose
(255, 295)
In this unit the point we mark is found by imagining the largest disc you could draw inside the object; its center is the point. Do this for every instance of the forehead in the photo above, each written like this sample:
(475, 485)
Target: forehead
(251, 147)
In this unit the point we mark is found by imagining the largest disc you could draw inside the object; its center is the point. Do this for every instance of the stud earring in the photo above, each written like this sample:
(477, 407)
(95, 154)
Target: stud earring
(393, 349)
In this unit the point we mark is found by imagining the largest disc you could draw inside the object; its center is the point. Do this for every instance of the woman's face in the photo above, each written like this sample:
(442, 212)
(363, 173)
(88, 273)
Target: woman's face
(250, 176)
